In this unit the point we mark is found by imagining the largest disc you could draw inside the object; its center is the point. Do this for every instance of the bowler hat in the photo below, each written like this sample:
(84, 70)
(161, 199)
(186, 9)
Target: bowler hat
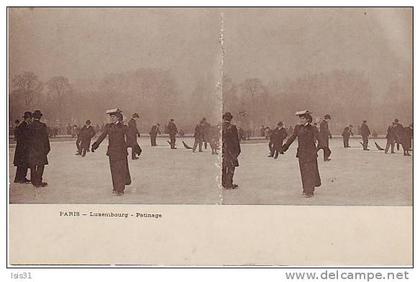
(227, 116)
(396, 120)
(136, 115)
(280, 123)
(37, 114)
(327, 116)
(27, 115)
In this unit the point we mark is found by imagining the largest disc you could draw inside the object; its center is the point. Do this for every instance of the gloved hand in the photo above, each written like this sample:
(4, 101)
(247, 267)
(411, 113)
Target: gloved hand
(94, 147)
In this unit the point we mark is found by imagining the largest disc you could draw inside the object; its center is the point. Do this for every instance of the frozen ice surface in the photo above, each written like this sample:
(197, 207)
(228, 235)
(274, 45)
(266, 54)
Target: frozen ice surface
(165, 176)
(159, 176)
(352, 177)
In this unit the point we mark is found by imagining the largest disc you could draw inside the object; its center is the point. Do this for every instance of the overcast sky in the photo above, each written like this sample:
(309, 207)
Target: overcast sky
(89, 43)
(271, 44)
(285, 43)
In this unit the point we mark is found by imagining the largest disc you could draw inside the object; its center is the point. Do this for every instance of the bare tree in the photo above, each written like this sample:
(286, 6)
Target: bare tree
(59, 89)
(26, 87)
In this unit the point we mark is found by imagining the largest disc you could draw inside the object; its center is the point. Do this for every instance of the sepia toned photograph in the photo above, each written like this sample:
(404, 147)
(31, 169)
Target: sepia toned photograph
(210, 106)
(209, 109)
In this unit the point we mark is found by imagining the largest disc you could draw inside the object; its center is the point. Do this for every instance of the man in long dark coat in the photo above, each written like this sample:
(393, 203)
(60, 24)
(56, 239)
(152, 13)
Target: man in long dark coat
(76, 130)
(307, 135)
(132, 135)
(198, 137)
(39, 147)
(117, 151)
(276, 138)
(347, 132)
(365, 132)
(230, 151)
(391, 138)
(86, 134)
(406, 139)
(205, 128)
(172, 130)
(21, 159)
(154, 131)
(324, 135)
(214, 138)
(399, 132)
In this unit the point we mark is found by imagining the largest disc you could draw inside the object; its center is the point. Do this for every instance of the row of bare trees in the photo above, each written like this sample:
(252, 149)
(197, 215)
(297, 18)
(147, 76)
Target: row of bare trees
(28, 93)
(151, 92)
(346, 95)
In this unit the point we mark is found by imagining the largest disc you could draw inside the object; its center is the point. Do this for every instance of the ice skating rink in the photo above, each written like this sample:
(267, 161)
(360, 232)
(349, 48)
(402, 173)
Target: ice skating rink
(165, 176)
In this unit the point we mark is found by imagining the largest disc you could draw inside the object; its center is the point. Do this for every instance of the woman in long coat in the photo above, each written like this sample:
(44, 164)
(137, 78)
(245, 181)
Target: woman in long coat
(307, 136)
(117, 151)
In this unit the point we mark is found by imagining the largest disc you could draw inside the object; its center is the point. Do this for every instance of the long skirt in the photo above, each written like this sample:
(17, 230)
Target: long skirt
(310, 175)
(120, 174)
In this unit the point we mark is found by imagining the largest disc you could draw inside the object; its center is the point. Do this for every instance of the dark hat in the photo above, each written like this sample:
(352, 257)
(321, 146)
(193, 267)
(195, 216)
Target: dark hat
(27, 115)
(365, 121)
(88, 121)
(280, 123)
(171, 119)
(327, 116)
(17, 121)
(396, 120)
(227, 116)
(136, 115)
(37, 114)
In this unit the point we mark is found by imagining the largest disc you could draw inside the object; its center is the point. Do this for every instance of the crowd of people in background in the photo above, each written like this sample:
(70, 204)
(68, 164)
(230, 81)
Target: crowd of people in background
(32, 138)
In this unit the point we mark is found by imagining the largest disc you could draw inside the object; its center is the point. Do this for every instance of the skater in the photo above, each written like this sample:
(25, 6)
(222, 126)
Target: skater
(231, 149)
(399, 132)
(306, 134)
(86, 134)
(324, 135)
(271, 145)
(198, 137)
(76, 131)
(39, 147)
(154, 131)
(277, 137)
(21, 157)
(365, 132)
(172, 130)
(214, 139)
(347, 132)
(391, 138)
(205, 128)
(132, 134)
(117, 151)
(406, 139)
